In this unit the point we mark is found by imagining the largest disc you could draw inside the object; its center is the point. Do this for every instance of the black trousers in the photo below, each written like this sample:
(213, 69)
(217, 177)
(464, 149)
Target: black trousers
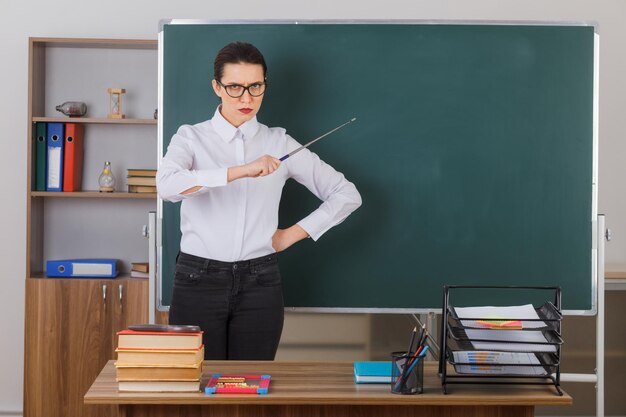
(238, 305)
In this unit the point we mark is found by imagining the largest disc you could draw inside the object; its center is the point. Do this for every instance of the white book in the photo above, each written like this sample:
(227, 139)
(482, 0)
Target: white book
(139, 274)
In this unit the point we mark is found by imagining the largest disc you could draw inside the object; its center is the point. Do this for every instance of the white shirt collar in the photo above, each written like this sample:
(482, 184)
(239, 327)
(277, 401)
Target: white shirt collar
(228, 132)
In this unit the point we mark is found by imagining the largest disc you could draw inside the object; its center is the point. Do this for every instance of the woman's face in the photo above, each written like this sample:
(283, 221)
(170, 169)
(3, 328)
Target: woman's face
(238, 110)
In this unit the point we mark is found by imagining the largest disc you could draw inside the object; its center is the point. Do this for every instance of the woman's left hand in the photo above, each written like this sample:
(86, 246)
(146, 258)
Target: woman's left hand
(284, 238)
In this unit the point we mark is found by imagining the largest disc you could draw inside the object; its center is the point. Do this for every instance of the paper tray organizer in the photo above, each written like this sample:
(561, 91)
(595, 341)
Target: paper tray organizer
(479, 357)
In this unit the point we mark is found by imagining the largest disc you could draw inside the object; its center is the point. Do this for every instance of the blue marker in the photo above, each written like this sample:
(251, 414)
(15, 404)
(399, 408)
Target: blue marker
(421, 355)
(316, 139)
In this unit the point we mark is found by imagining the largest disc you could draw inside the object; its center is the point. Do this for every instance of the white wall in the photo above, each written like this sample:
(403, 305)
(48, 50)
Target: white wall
(139, 19)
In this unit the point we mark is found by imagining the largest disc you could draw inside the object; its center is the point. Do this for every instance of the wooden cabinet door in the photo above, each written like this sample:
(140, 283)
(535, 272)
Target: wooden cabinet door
(44, 349)
(89, 306)
(130, 306)
(65, 329)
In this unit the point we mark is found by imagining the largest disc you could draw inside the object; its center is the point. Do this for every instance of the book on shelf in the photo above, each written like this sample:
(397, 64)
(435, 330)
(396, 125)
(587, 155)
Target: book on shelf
(142, 189)
(73, 157)
(135, 172)
(159, 372)
(84, 268)
(131, 339)
(40, 152)
(159, 357)
(54, 162)
(139, 274)
(149, 181)
(139, 266)
(159, 386)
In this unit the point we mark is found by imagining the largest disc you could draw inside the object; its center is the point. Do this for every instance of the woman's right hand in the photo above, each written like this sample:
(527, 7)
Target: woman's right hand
(262, 166)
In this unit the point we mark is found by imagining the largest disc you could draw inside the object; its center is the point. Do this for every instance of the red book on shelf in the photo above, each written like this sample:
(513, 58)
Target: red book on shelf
(73, 158)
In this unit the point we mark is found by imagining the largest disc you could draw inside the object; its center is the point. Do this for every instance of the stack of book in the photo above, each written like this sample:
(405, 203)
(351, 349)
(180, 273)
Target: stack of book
(159, 361)
(139, 270)
(141, 180)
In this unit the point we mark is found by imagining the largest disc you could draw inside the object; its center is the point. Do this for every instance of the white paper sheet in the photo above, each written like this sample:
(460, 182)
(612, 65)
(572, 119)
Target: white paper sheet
(490, 363)
(508, 312)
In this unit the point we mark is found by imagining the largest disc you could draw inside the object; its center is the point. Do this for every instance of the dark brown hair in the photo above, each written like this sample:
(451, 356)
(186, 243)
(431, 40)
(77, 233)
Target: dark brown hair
(237, 53)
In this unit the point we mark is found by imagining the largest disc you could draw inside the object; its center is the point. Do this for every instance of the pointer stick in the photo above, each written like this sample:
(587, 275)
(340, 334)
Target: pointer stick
(316, 139)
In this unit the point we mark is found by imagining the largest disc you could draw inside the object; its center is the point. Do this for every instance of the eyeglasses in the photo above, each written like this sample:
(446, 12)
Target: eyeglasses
(237, 90)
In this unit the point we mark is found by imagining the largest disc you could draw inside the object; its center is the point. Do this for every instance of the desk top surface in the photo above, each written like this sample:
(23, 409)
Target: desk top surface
(325, 383)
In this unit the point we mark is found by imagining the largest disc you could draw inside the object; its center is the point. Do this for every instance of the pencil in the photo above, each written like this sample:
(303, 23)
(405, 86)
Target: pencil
(411, 341)
(423, 336)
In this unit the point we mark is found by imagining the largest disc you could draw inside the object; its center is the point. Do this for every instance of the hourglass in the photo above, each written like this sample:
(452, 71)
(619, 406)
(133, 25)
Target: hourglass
(115, 103)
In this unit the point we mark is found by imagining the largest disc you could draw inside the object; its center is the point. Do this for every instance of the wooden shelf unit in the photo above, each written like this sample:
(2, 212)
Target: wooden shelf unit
(71, 324)
(41, 111)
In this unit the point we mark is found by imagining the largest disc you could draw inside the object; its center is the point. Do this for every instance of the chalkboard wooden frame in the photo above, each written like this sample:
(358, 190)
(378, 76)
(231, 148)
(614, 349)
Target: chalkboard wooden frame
(415, 291)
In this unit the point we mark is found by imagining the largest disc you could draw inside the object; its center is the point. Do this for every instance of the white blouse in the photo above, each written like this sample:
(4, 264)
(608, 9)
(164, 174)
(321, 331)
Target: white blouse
(236, 221)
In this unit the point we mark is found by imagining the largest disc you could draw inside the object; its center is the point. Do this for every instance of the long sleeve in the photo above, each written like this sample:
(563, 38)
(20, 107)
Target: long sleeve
(178, 173)
(340, 197)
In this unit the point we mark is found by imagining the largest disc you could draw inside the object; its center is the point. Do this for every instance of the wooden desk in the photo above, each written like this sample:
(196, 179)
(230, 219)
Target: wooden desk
(323, 389)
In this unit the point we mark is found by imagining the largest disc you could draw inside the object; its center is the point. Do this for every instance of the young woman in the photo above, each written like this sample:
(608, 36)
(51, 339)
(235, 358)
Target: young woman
(226, 172)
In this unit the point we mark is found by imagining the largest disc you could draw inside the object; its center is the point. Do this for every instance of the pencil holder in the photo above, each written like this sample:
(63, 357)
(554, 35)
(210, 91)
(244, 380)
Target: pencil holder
(407, 373)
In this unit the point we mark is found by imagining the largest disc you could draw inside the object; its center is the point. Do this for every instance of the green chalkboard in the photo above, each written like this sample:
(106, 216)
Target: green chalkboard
(473, 152)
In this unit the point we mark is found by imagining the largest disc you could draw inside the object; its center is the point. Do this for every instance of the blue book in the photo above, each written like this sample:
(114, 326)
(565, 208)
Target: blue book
(54, 165)
(372, 372)
(87, 268)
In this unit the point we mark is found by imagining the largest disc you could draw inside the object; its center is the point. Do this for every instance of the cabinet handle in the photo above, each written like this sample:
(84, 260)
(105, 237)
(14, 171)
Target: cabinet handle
(104, 295)
(121, 292)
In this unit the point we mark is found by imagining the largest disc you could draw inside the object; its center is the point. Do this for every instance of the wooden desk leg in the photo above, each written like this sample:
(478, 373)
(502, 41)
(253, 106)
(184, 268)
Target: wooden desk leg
(149, 410)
